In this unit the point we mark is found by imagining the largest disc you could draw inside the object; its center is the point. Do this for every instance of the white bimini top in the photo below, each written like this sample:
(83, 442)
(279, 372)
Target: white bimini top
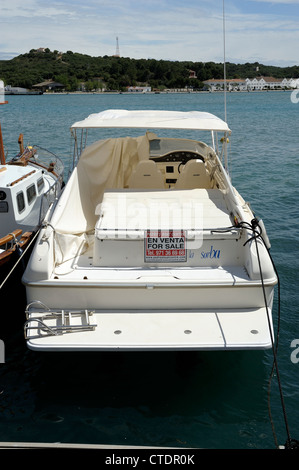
(148, 119)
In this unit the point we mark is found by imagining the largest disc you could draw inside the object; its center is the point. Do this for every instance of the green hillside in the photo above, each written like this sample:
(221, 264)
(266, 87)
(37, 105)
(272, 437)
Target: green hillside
(116, 73)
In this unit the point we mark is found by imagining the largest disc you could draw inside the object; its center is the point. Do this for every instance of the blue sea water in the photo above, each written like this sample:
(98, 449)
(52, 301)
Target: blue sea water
(212, 400)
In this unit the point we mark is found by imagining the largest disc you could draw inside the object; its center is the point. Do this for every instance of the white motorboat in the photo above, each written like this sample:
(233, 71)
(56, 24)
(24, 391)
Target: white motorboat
(150, 247)
(29, 184)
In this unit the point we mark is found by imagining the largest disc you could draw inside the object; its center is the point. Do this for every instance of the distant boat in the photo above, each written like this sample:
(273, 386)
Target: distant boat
(150, 247)
(25, 93)
(21, 91)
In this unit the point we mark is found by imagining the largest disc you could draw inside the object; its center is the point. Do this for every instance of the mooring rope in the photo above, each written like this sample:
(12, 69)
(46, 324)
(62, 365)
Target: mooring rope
(20, 258)
(257, 233)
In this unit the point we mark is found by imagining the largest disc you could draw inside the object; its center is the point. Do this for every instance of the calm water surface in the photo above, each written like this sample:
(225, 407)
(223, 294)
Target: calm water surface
(216, 400)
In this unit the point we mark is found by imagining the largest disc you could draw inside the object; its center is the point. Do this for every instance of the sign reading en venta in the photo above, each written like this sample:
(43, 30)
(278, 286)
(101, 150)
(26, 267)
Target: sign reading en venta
(165, 246)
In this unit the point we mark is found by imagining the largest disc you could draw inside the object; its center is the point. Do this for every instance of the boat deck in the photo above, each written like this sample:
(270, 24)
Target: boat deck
(163, 209)
(219, 329)
(121, 232)
(82, 268)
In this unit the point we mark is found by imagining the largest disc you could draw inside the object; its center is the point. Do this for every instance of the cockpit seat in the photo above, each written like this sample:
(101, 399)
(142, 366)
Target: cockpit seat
(193, 175)
(146, 175)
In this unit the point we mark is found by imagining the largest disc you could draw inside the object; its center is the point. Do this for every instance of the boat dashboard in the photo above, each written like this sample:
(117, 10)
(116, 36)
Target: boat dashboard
(172, 163)
(175, 148)
(171, 156)
(178, 156)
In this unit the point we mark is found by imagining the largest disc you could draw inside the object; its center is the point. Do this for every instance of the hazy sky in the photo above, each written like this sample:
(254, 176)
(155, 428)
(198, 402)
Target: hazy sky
(265, 31)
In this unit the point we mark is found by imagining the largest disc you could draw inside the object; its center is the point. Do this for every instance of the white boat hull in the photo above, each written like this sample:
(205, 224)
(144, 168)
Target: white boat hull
(151, 313)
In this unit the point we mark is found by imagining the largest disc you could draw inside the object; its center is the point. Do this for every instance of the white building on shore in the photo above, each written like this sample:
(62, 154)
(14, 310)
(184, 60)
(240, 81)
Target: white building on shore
(258, 83)
(263, 83)
(237, 84)
(139, 89)
(290, 83)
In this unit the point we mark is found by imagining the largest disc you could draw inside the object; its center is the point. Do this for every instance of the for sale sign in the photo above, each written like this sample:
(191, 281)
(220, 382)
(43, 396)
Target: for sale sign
(165, 246)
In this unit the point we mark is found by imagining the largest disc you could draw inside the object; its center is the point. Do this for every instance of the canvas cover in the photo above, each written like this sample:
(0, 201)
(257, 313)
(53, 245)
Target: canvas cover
(106, 164)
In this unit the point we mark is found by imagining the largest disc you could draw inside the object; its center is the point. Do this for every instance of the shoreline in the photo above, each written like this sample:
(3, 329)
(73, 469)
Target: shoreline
(141, 93)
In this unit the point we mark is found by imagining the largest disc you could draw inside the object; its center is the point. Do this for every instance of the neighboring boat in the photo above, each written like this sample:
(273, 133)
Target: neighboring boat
(21, 91)
(29, 183)
(150, 247)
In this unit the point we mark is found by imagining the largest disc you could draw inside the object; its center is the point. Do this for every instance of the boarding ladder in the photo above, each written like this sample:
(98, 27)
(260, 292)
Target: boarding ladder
(40, 318)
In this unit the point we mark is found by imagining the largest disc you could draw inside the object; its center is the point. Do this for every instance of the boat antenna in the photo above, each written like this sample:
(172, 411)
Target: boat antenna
(224, 64)
(225, 138)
